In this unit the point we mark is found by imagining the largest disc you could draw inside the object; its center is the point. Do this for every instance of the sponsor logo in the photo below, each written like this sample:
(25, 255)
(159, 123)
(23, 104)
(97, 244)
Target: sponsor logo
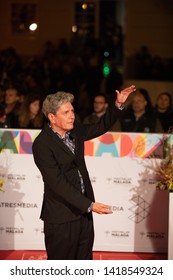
(120, 233)
(140, 209)
(155, 235)
(17, 142)
(126, 145)
(117, 233)
(117, 208)
(17, 205)
(109, 180)
(122, 180)
(118, 145)
(14, 230)
(9, 179)
(17, 177)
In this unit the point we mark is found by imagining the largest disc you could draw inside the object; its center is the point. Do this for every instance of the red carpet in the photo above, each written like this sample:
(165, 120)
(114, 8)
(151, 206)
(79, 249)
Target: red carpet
(41, 255)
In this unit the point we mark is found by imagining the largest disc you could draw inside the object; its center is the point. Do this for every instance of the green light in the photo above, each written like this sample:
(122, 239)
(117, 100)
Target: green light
(106, 69)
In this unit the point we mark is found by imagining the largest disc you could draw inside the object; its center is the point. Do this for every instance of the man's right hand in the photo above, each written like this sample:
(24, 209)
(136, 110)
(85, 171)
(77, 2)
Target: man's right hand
(101, 208)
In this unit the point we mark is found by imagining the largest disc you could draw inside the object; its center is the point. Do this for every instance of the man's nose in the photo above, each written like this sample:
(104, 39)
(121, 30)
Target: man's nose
(72, 115)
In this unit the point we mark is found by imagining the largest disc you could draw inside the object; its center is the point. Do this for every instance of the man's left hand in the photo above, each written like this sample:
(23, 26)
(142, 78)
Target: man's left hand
(123, 95)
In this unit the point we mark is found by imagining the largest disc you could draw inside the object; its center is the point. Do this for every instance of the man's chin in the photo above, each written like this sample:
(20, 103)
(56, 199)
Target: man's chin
(70, 127)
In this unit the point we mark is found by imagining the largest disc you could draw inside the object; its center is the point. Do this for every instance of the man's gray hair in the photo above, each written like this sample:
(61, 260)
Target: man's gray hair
(52, 102)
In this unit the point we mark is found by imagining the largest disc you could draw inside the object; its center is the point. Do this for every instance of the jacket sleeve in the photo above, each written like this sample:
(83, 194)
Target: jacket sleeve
(106, 122)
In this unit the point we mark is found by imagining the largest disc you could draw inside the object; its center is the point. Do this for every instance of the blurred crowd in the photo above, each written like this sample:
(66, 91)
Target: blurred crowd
(75, 67)
(147, 66)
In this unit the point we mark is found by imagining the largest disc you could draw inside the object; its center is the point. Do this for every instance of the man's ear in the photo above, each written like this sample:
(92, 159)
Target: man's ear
(106, 105)
(51, 118)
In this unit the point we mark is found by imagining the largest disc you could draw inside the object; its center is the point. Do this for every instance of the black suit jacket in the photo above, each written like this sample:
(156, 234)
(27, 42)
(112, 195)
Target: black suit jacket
(63, 200)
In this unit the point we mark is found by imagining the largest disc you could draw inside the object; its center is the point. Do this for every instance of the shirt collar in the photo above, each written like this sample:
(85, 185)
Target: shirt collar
(66, 135)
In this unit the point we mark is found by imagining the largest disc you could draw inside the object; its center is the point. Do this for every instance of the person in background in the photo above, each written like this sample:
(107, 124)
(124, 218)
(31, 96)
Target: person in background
(11, 106)
(30, 115)
(2, 118)
(163, 110)
(2, 109)
(2, 95)
(100, 106)
(139, 116)
(69, 201)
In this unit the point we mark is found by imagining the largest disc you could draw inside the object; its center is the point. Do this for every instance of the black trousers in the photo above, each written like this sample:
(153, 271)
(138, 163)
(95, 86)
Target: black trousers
(70, 241)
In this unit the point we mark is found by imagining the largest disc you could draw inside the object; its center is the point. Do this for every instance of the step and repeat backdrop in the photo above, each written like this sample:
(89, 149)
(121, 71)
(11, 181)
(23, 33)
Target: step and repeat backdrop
(121, 170)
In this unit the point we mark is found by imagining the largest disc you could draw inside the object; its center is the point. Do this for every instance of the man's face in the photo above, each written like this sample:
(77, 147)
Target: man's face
(63, 120)
(163, 102)
(11, 96)
(100, 104)
(138, 103)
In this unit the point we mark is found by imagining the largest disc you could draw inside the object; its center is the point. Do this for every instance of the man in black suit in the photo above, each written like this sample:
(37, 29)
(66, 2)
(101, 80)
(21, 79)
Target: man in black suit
(68, 200)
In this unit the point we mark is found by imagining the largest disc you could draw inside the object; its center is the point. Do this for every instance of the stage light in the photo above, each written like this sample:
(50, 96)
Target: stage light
(33, 27)
(106, 54)
(21, 26)
(106, 69)
(74, 28)
(84, 6)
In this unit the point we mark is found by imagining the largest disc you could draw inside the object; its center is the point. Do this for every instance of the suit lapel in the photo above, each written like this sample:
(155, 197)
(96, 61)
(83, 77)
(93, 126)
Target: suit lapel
(57, 140)
(73, 137)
